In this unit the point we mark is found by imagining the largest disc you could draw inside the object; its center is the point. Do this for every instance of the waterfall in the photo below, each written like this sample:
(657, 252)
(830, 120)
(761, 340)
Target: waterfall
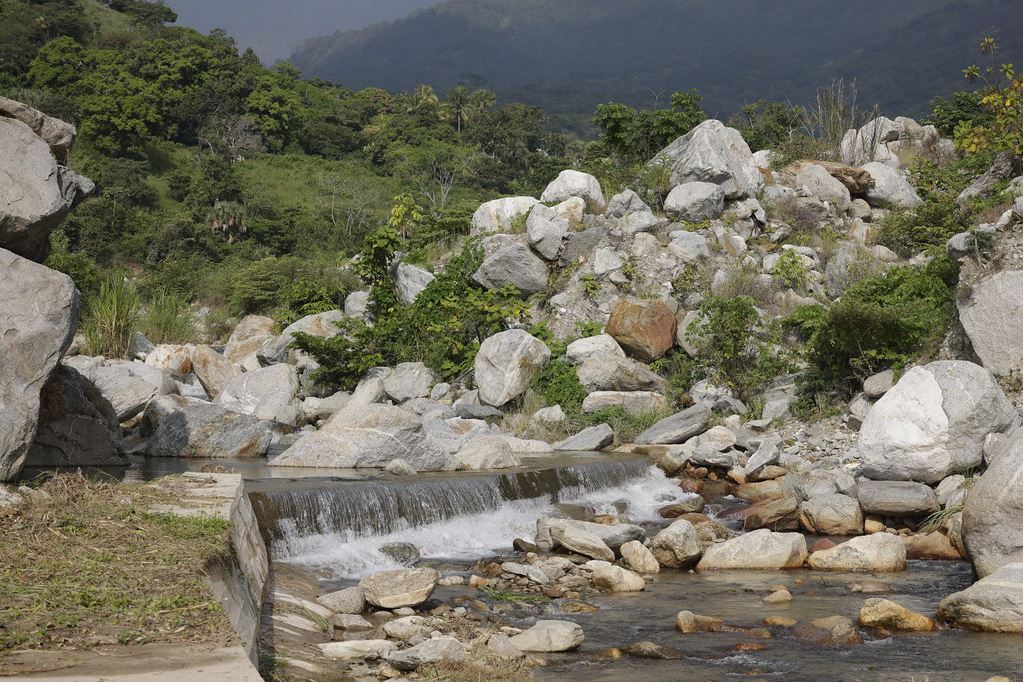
(338, 526)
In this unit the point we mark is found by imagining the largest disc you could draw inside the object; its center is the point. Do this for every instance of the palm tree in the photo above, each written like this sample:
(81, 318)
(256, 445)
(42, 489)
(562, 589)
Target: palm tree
(481, 100)
(424, 96)
(457, 107)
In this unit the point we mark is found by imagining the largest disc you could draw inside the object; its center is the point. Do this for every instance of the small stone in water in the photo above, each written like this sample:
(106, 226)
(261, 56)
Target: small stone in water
(611, 653)
(779, 621)
(780, 596)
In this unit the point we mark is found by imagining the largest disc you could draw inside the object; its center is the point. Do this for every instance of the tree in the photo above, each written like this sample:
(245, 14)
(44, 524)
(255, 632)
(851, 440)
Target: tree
(767, 125)
(275, 109)
(118, 109)
(1001, 97)
(348, 201)
(424, 97)
(636, 135)
(434, 168)
(457, 107)
(231, 136)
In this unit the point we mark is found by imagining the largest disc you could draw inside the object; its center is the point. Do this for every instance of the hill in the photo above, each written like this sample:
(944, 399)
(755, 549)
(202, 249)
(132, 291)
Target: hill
(570, 55)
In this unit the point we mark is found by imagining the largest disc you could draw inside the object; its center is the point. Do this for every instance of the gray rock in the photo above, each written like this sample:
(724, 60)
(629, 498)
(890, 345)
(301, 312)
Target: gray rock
(612, 536)
(529, 571)
(896, 498)
(264, 394)
(695, 201)
(832, 513)
(128, 385)
(441, 649)
(818, 182)
(409, 381)
(549, 636)
(349, 601)
(640, 558)
(506, 364)
(139, 347)
(879, 552)
(251, 333)
(214, 371)
(513, 265)
(604, 371)
(37, 192)
(992, 509)
(581, 541)
(357, 303)
(992, 604)
(582, 349)
(58, 135)
(575, 184)
(397, 588)
(593, 438)
(891, 189)
(549, 414)
(633, 403)
(410, 281)
(39, 311)
(275, 350)
(201, 430)
(77, 426)
(367, 436)
(357, 649)
(604, 575)
(490, 452)
(991, 317)
(546, 231)
(677, 428)
(499, 215)
(320, 408)
(932, 423)
(625, 203)
(879, 383)
(688, 246)
(677, 546)
(759, 549)
(713, 153)
(767, 454)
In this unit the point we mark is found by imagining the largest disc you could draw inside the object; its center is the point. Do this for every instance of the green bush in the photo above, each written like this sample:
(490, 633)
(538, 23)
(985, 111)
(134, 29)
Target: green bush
(734, 347)
(111, 318)
(168, 320)
(443, 327)
(559, 384)
(790, 270)
(881, 322)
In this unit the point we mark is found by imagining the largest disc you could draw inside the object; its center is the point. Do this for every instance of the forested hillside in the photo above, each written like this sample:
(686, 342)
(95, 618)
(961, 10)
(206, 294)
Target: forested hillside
(568, 56)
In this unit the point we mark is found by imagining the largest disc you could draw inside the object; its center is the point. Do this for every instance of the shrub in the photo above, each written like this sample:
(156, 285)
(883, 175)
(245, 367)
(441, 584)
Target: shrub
(790, 270)
(168, 320)
(559, 384)
(880, 322)
(734, 347)
(111, 318)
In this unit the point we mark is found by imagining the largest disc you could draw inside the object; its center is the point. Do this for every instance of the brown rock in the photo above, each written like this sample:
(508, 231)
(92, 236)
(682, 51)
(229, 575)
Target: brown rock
(779, 621)
(648, 649)
(880, 612)
(830, 631)
(821, 545)
(773, 514)
(213, 370)
(611, 653)
(694, 518)
(768, 472)
(780, 596)
(690, 623)
(645, 330)
(856, 180)
(577, 607)
(934, 546)
(761, 491)
(758, 633)
(691, 485)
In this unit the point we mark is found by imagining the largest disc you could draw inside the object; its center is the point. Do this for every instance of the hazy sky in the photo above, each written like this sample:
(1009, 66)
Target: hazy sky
(274, 28)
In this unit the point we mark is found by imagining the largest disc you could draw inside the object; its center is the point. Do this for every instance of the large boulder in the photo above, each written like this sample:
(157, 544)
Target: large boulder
(896, 498)
(439, 649)
(891, 189)
(818, 182)
(59, 135)
(633, 403)
(275, 350)
(77, 425)
(488, 452)
(203, 430)
(213, 370)
(932, 423)
(991, 528)
(645, 330)
(399, 588)
(410, 380)
(266, 394)
(695, 201)
(679, 427)
(499, 215)
(593, 438)
(37, 192)
(545, 231)
(759, 549)
(879, 552)
(677, 546)
(612, 536)
(713, 153)
(128, 385)
(886, 614)
(506, 364)
(832, 514)
(513, 265)
(367, 436)
(410, 281)
(991, 317)
(855, 180)
(251, 333)
(640, 558)
(549, 636)
(992, 604)
(610, 372)
(604, 575)
(575, 184)
(582, 349)
(39, 311)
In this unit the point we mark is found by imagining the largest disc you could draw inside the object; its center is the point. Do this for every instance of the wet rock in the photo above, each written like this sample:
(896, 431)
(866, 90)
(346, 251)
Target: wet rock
(677, 546)
(649, 649)
(549, 636)
(613, 536)
(780, 621)
(593, 438)
(933, 546)
(583, 542)
(613, 578)
(691, 623)
(830, 631)
(897, 499)
(992, 604)
(880, 612)
(447, 649)
(822, 545)
(759, 549)
(506, 364)
(869, 587)
(690, 503)
(932, 423)
(640, 558)
(780, 596)
(401, 552)
(397, 588)
(881, 552)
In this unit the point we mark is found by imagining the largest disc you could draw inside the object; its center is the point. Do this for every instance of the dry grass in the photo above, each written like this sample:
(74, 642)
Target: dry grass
(479, 667)
(85, 564)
